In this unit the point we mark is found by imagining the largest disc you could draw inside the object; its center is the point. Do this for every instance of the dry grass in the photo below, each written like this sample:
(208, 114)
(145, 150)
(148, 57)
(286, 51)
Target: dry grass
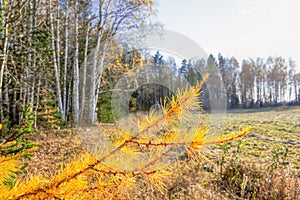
(262, 165)
(227, 177)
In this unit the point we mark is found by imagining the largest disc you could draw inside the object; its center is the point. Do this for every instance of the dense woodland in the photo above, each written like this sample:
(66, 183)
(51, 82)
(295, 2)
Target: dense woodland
(44, 50)
(62, 59)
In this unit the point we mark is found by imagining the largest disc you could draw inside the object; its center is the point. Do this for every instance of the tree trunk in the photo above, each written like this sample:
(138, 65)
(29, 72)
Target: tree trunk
(76, 72)
(58, 37)
(92, 95)
(4, 62)
(66, 62)
(37, 103)
(56, 70)
(6, 95)
(98, 76)
(84, 73)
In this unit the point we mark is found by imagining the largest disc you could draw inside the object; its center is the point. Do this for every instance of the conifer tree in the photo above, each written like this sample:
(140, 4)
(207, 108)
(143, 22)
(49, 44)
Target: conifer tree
(144, 153)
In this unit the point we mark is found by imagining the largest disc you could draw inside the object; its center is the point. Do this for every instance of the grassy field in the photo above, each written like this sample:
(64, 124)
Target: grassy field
(265, 164)
(272, 132)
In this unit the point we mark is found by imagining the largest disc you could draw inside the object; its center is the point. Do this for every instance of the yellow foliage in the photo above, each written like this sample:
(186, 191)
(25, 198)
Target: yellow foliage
(131, 156)
(7, 165)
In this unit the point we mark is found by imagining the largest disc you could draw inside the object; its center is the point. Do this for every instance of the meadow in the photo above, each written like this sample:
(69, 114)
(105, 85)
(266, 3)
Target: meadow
(265, 164)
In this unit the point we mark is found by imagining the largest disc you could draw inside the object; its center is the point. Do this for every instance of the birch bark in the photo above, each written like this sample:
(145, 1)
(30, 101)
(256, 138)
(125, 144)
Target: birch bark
(76, 71)
(83, 89)
(66, 61)
(56, 70)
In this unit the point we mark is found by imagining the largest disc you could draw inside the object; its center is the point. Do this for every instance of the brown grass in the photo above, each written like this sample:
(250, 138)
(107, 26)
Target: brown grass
(263, 165)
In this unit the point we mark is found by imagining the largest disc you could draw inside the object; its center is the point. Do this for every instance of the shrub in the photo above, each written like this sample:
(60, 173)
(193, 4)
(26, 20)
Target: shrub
(144, 156)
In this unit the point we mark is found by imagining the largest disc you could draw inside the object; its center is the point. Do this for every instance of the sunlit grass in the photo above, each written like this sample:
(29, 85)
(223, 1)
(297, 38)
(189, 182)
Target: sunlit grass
(262, 165)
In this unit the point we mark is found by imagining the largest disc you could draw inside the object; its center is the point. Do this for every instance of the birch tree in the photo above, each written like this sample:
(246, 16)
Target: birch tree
(4, 37)
(54, 59)
(114, 16)
(66, 59)
(76, 70)
(84, 71)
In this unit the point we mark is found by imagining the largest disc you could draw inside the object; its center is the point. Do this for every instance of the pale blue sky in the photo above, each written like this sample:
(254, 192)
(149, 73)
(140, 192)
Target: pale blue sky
(240, 28)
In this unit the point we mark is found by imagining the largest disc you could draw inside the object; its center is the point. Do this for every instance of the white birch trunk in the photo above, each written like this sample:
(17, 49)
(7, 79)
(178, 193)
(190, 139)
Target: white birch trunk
(4, 39)
(66, 62)
(84, 72)
(30, 59)
(58, 37)
(56, 71)
(4, 62)
(93, 71)
(92, 95)
(100, 71)
(69, 97)
(76, 71)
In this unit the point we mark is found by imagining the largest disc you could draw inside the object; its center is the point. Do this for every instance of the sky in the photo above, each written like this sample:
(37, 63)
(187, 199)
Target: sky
(240, 28)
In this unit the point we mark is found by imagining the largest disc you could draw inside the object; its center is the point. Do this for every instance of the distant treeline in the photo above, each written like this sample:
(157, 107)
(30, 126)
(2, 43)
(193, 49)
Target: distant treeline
(253, 83)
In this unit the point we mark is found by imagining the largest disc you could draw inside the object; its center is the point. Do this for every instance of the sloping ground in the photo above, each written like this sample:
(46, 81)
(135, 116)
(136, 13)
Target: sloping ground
(54, 149)
(271, 130)
(59, 147)
(264, 162)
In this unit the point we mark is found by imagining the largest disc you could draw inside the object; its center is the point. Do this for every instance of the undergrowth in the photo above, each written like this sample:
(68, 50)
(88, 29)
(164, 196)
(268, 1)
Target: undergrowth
(14, 147)
(138, 161)
(228, 176)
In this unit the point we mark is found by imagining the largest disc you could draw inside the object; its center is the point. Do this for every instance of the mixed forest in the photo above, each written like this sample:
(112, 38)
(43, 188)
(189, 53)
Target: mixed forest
(62, 62)
(62, 58)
